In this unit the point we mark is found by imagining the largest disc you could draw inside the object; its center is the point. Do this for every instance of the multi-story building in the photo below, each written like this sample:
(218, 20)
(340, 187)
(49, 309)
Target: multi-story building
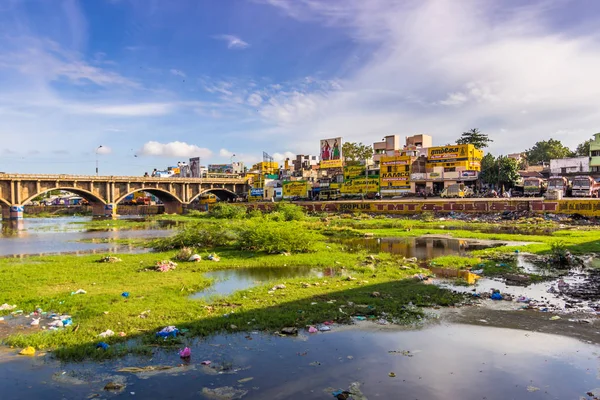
(573, 165)
(304, 162)
(390, 145)
(595, 153)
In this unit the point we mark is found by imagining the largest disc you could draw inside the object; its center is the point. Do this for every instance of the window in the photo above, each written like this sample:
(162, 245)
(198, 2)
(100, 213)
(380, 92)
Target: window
(563, 170)
(389, 169)
(595, 153)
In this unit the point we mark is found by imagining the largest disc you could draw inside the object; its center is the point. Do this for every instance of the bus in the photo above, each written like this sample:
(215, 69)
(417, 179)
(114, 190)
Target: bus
(585, 186)
(534, 186)
(559, 183)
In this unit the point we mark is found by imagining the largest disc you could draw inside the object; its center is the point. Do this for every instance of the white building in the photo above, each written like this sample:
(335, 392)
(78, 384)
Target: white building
(572, 165)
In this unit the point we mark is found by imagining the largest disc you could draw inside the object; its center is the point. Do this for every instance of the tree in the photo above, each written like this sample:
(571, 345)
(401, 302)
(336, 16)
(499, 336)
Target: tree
(501, 171)
(489, 169)
(546, 150)
(583, 149)
(355, 152)
(476, 138)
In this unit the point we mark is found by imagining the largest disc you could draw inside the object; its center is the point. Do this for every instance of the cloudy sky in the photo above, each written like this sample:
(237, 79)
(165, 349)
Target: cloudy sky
(154, 81)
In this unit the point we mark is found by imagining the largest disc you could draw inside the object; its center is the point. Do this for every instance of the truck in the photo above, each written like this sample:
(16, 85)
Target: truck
(585, 186)
(457, 190)
(559, 183)
(534, 186)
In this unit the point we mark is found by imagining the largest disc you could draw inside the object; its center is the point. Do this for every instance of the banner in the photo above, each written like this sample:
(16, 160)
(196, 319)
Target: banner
(354, 171)
(220, 169)
(444, 153)
(257, 192)
(295, 188)
(195, 167)
(331, 153)
(358, 186)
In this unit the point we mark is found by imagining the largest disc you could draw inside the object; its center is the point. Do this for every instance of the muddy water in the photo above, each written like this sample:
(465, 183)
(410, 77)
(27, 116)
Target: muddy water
(231, 280)
(447, 361)
(423, 248)
(41, 236)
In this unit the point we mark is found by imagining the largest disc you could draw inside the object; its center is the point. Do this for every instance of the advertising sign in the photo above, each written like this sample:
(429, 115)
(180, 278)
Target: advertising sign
(354, 171)
(257, 192)
(294, 188)
(195, 167)
(444, 153)
(468, 174)
(361, 185)
(331, 153)
(220, 169)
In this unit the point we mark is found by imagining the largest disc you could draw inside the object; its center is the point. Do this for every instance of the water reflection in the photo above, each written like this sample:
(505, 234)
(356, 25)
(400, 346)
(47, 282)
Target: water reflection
(423, 248)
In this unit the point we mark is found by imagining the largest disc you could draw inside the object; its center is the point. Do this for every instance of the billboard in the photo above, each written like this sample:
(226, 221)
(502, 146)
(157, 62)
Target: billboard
(354, 171)
(220, 168)
(453, 152)
(361, 185)
(295, 188)
(257, 192)
(195, 167)
(331, 153)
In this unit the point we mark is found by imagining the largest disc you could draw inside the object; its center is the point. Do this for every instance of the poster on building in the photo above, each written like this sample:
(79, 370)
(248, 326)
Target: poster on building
(295, 189)
(331, 153)
(354, 172)
(360, 186)
(257, 192)
(220, 169)
(444, 153)
(195, 167)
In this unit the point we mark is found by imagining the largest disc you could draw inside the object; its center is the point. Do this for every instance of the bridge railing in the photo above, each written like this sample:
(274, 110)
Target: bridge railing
(113, 178)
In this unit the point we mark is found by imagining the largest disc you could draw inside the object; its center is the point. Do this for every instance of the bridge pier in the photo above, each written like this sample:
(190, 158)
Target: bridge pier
(13, 212)
(104, 210)
(173, 207)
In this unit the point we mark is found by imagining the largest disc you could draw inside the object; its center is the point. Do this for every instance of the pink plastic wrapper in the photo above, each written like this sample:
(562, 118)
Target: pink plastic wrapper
(312, 329)
(185, 353)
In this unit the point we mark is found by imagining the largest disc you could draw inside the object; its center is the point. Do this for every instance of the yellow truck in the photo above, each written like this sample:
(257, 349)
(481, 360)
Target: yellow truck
(208, 199)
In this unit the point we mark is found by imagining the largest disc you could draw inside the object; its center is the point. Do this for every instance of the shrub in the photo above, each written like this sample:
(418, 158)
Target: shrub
(275, 237)
(227, 211)
(255, 214)
(290, 212)
(427, 216)
(184, 254)
(198, 235)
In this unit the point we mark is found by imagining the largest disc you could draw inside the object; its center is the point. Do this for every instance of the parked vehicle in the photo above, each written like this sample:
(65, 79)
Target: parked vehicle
(585, 186)
(208, 198)
(535, 186)
(457, 190)
(559, 183)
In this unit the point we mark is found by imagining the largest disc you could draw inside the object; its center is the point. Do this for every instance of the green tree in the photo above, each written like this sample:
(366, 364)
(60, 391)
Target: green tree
(508, 171)
(546, 150)
(476, 138)
(583, 149)
(489, 169)
(355, 152)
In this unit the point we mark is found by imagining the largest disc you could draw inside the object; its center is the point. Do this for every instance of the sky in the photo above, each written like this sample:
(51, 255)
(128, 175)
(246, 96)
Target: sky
(154, 82)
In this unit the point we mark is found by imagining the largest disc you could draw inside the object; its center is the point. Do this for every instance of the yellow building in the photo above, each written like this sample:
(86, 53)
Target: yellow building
(266, 167)
(456, 157)
(394, 174)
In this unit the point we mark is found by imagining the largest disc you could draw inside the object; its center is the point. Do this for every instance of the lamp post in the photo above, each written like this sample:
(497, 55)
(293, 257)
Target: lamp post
(98, 148)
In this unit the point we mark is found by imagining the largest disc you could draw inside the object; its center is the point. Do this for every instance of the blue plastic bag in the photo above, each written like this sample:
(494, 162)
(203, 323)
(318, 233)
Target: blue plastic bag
(125, 294)
(103, 346)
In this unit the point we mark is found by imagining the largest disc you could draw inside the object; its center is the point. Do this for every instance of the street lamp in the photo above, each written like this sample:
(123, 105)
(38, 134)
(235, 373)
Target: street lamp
(99, 147)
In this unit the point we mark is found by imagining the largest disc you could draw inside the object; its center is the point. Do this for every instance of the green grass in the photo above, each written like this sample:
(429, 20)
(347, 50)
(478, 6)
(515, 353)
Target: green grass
(455, 262)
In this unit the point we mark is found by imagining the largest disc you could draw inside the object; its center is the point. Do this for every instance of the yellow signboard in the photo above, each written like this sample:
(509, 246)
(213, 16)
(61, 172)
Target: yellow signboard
(362, 185)
(354, 171)
(295, 188)
(395, 172)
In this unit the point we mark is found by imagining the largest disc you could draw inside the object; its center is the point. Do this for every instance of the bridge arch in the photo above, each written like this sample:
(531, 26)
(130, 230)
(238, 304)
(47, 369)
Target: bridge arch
(4, 203)
(171, 202)
(89, 196)
(221, 193)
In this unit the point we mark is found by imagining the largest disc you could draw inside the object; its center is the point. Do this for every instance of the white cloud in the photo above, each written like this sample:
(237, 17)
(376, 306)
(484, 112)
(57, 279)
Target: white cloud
(104, 150)
(476, 70)
(255, 99)
(177, 72)
(233, 42)
(225, 153)
(173, 149)
(282, 156)
(129, 110)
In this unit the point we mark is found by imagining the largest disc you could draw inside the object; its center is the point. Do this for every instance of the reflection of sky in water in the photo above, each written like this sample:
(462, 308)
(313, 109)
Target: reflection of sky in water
(38, 236)
(450, 362)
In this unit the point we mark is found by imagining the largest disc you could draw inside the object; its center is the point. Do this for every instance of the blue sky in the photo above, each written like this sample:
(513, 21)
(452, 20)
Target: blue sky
(155, 82)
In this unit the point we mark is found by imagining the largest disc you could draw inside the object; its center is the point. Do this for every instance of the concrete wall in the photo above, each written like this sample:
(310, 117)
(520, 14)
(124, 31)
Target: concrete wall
(570, 165)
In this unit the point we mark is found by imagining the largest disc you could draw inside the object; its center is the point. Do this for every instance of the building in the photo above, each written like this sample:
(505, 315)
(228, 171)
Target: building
(447, 165)
(595, 153)
(304, 162)
(394, 174)
(573, 165)
(390, 145)
(419, 141)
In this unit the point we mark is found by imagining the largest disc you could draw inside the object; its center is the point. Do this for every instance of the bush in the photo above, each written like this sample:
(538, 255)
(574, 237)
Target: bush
(427, 216)
(255, 214)
(290, 212)
(227, 211)
(184, 254)
(275, 237)
(197, 235)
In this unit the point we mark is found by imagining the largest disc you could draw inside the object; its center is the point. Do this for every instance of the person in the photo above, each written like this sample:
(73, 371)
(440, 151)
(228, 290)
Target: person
(146, 175)
(335, 155)
(325, 152)
(154, 173)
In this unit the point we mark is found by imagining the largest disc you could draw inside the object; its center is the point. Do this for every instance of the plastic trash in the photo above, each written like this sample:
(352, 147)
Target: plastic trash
(168, 331)
(35, 322)
(206, 362)
(523, 299)
(103, 346)
(554, 318)
(125, 294)
(290, 330)
(324, 328)
(312, 329)
(281, 286)
(27, 351)
(7, 307)
(195, 258)
(67, 322)
(496, 296)
(360, 318)
(56, 324)
(185, 353)
(122, 334)
(79, 291)
(214, 257)
(106, 333)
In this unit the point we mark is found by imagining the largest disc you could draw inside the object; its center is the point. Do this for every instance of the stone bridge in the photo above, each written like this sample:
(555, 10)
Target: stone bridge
(105, 192)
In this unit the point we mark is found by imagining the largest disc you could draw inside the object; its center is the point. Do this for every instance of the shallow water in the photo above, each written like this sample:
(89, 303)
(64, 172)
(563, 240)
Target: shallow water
(231, 280)
(42, 236)
(447, 361)
(423, 248)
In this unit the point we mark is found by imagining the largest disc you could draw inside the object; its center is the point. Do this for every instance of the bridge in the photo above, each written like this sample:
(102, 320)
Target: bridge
(104, 192)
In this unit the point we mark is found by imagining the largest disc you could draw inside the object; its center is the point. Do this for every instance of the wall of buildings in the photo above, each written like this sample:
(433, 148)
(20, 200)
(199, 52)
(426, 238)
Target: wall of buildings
(572, 165)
